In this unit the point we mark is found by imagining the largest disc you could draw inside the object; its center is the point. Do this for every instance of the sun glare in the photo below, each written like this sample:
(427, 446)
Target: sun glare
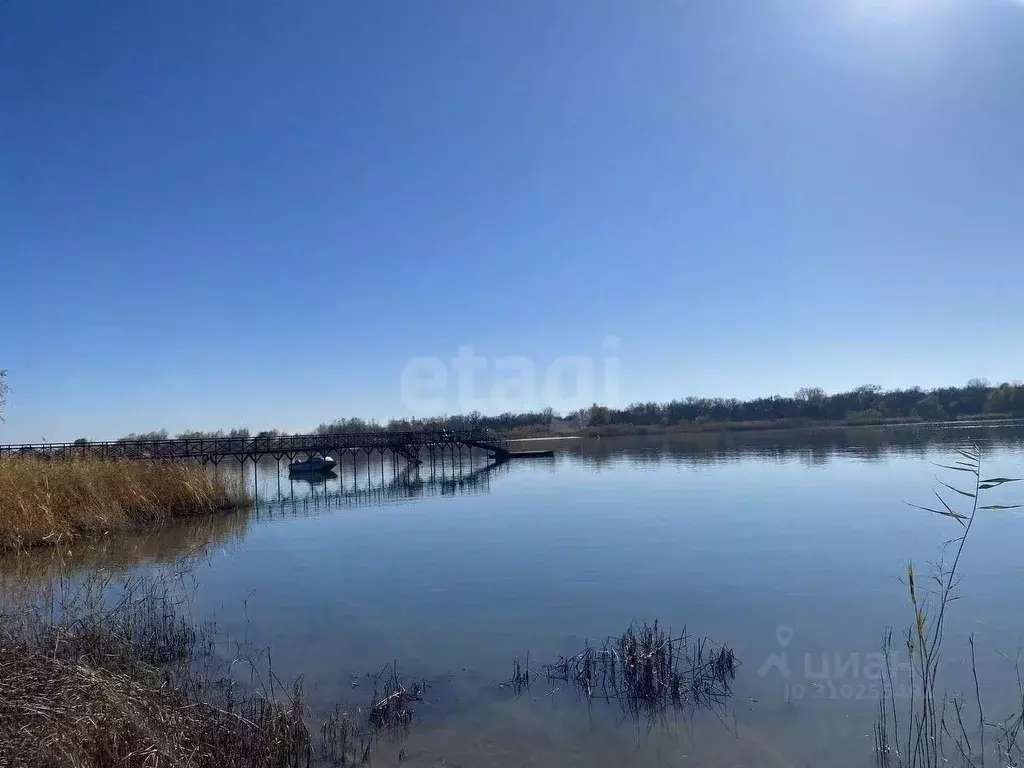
(889, 10)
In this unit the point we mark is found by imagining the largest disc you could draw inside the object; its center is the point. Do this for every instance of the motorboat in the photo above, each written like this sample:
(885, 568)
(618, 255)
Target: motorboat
(313, 464)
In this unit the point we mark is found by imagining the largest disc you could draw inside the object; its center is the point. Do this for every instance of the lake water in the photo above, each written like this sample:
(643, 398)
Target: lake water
(788, 547)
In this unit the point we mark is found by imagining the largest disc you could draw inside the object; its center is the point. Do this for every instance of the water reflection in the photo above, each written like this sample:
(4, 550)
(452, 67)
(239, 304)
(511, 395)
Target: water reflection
(812, 447)
(782, 545)
(369, 478)
(178, 541)
(313, 478)
(373, 480)
(313, 492)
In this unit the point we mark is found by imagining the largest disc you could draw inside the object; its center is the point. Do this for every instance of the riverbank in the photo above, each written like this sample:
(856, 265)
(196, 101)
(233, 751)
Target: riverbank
(122, 684)
(52, 502)
(546, 433)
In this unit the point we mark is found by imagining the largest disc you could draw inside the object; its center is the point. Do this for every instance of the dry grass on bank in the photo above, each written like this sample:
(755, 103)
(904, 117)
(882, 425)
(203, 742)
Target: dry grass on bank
(50, 502)
(132, 683)
(61, 711)
(97, 672)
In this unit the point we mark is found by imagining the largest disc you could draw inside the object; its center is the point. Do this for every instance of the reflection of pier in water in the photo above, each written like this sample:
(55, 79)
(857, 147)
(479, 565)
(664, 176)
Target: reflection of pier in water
(179, 542)
(355, 488)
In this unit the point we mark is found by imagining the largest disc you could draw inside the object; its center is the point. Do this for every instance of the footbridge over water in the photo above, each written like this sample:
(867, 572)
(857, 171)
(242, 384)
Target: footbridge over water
(410, 446)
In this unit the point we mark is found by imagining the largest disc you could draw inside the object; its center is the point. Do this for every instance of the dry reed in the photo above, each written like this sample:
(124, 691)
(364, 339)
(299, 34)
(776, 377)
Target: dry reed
(647, 670)
(394, 700)
(56, 710)
(97, 671)
(104, 683)
(931, 721)
(52, 502)
(349, 737)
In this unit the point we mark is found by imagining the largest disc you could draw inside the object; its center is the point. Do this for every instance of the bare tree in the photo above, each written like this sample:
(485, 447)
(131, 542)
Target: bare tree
(3, 393)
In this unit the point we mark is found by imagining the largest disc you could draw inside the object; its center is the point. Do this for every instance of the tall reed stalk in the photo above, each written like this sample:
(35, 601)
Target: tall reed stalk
(932, 722)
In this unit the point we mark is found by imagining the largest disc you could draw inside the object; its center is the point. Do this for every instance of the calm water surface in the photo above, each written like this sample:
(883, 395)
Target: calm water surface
(787, 547)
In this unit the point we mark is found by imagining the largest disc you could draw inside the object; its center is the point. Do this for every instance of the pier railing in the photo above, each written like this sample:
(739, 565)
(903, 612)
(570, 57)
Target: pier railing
(214, 449)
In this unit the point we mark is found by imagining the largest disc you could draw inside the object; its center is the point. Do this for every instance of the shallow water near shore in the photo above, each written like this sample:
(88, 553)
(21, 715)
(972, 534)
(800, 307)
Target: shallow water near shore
(786, 546)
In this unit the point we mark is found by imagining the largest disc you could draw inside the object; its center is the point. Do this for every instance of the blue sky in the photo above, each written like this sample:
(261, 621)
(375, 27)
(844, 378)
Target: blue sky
(253, 212)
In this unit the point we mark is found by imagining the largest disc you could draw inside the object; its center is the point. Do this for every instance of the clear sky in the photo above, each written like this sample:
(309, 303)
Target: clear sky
(250, 212)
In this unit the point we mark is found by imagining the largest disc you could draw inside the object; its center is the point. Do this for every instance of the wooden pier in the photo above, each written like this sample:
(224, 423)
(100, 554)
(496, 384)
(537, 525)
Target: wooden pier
(413, 447)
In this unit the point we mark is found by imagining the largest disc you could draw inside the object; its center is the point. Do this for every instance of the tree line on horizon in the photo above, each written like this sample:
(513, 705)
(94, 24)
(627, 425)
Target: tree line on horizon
(864, 405)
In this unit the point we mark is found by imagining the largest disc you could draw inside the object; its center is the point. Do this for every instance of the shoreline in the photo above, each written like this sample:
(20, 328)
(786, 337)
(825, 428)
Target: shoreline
(543, 434)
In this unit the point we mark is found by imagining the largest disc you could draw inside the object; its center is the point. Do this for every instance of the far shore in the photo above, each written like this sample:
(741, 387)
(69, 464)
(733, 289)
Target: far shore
(544, 434)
